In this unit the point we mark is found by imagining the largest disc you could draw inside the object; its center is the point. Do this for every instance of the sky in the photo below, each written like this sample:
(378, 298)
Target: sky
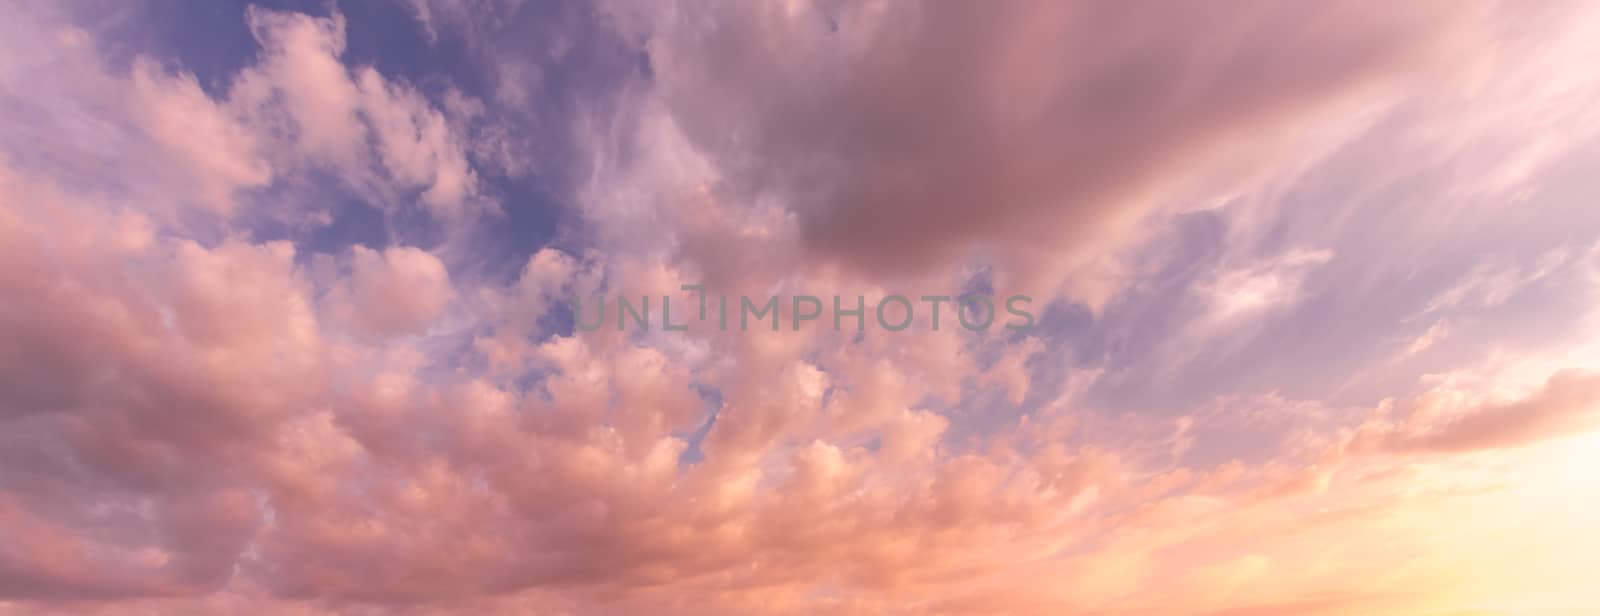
(1312, 297)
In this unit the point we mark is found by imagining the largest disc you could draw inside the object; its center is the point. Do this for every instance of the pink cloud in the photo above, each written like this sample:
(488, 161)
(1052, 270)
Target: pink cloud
(911, 136)
(398, 291)
(1567, 404)
(194, 419)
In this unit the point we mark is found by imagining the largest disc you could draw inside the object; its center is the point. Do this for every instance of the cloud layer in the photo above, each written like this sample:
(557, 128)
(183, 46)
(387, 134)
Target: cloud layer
(1315, 287)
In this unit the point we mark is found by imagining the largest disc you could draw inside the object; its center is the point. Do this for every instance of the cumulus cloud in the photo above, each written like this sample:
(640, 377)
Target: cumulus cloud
(142, 380)
(176, 147)
(351, 119)
(398, 291)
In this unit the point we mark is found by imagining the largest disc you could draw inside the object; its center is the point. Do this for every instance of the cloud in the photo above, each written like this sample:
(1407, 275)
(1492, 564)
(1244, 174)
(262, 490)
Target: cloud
(300, 63)
(354, 120)
(1243, 292)
(398, 291)
(1436, 332)
(298, 106)
(1567, 404)
(906, 136)
(143, 381)
(175, 148)
(206, 137)
(225, 417)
